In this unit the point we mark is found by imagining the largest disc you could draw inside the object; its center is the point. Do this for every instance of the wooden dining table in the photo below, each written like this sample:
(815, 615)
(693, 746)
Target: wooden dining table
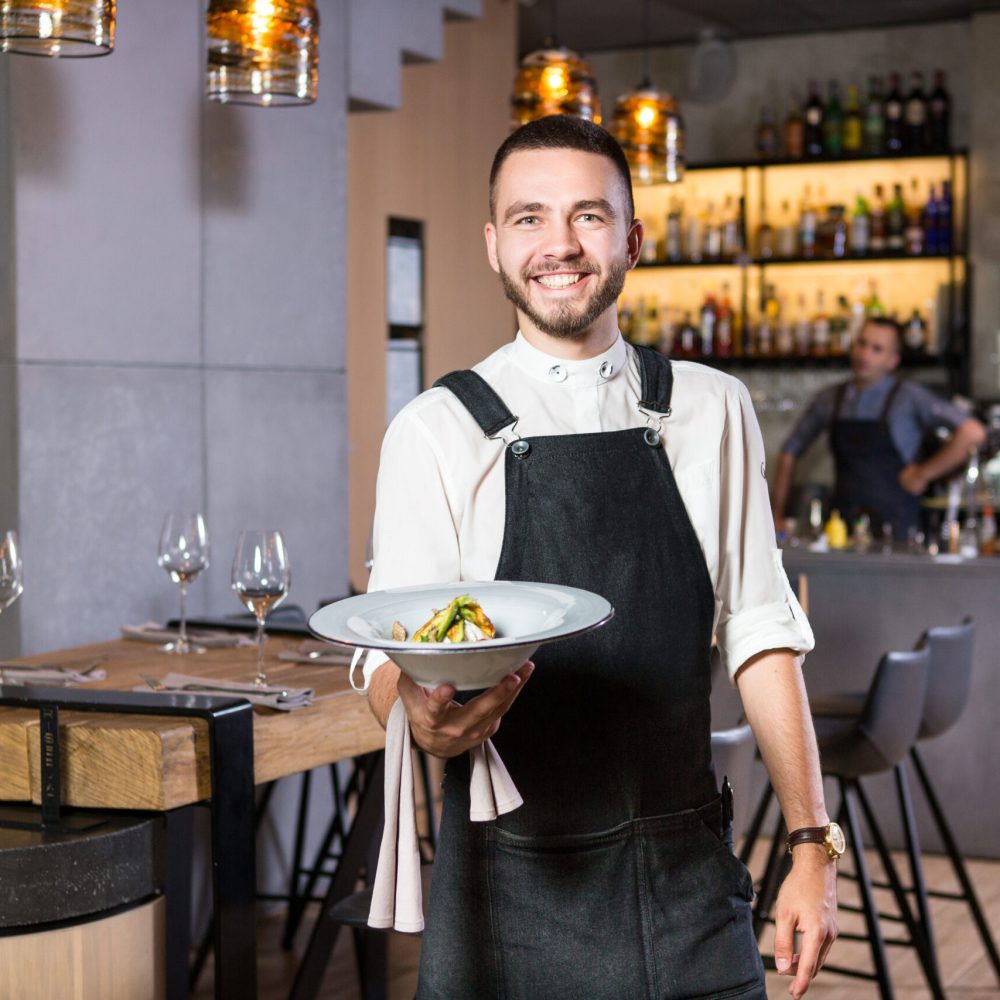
(164, 763)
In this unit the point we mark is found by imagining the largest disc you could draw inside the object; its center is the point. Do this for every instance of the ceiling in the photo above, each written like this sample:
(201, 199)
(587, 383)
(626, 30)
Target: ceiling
(600, 25)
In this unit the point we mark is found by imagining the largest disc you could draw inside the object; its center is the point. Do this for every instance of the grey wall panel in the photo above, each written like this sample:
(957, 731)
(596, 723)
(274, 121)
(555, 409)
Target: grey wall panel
(277, 459)
(108, 190)
(104, 453)
(275, 218)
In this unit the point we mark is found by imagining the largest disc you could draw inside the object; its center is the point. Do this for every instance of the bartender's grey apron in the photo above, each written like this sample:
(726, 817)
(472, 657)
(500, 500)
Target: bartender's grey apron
(868, 465)
(613, 881)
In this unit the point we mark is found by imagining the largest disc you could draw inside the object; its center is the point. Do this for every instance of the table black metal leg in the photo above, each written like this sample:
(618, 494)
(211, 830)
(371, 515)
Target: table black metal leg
(309, 976)
(177, 898)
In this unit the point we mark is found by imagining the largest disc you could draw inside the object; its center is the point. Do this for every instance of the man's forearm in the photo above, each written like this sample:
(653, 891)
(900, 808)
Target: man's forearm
(955, 451)
(382, 693)
(774, 699)
(782, 484)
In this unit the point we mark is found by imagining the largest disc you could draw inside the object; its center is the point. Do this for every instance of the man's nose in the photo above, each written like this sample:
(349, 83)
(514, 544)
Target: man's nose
(562, 242)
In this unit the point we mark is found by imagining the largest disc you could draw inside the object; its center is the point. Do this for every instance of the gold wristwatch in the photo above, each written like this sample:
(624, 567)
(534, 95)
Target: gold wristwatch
(830, 836)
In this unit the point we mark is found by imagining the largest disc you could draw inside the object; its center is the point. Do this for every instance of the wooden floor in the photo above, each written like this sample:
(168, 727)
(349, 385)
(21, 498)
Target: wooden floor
(965, 969)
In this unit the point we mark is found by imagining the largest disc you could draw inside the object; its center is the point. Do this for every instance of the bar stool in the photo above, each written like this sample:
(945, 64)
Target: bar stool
(873, 741)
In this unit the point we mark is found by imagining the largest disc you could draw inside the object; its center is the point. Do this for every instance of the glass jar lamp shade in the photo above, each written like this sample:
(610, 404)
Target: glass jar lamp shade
(263, 52)
(554, 81)
(67, 28)
(649, 127)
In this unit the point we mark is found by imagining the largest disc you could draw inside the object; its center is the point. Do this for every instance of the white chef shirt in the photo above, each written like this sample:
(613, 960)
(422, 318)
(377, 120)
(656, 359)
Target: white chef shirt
(440, 497)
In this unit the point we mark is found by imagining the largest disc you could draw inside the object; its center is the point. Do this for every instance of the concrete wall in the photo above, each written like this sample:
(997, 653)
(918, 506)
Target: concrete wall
(769, 71)
(177, 335)
(429, 161)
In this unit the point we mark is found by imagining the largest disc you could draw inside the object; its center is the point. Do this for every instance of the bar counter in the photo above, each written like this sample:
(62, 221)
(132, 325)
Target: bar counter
(862, 604)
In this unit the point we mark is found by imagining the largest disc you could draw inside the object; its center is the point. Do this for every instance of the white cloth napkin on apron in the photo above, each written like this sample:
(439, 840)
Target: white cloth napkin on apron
(397, 895)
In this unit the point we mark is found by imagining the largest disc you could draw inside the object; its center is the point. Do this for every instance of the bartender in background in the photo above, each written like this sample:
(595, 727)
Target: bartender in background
(877, 422)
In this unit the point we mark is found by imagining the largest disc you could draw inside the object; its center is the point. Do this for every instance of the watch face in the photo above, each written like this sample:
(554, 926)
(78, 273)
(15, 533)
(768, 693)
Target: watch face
(835, 837)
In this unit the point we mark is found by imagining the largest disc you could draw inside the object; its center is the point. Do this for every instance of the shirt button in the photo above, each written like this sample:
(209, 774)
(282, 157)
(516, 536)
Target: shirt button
(557, 373)
(607, 369)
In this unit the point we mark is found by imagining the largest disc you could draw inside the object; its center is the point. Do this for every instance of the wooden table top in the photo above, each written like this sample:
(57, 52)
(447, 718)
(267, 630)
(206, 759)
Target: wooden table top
(145, 762)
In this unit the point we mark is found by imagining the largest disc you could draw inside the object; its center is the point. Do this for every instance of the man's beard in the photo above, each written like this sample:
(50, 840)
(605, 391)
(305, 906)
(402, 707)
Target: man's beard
(571, 320)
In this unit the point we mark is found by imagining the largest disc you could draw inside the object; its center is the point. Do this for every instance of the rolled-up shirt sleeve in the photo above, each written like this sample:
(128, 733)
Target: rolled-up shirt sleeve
(414, 538)
(756, 608)
(810, 425)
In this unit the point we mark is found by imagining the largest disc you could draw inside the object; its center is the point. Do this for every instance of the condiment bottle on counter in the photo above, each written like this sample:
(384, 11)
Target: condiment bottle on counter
(836, 530)
(988, 533)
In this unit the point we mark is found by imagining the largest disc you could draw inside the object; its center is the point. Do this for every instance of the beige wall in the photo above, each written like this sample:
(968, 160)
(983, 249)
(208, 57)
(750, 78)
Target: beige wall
(429, 161)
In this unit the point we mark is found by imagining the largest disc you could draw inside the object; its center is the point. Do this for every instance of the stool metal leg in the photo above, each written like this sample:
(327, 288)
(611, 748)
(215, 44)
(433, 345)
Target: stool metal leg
(865, 885)
(777, 862)
(750, 840)
(957, 863)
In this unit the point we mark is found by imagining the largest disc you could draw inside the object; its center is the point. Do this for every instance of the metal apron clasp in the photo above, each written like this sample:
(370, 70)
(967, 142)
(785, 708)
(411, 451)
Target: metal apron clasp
(654, 425)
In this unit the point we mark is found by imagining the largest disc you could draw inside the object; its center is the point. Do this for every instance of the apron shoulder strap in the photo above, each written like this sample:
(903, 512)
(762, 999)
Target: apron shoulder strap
(475, 394)
(838, 400)
(889, 399)
(657, 380)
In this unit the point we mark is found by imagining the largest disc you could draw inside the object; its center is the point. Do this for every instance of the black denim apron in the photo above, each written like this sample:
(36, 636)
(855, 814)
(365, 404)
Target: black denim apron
(614, 880)
(868, 465)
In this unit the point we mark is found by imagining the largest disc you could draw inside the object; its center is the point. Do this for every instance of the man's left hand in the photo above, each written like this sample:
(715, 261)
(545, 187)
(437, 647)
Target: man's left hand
(807, 904)
(913, 479)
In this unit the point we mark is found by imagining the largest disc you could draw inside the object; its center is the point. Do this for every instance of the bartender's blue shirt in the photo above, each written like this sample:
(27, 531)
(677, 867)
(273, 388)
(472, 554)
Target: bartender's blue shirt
(914, 412)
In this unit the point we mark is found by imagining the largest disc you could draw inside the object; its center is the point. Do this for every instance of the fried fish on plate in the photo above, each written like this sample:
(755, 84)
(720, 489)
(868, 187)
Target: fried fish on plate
(462, 621)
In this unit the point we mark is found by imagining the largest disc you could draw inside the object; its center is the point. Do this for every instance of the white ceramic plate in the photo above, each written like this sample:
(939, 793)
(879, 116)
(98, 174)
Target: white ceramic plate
(526, 616)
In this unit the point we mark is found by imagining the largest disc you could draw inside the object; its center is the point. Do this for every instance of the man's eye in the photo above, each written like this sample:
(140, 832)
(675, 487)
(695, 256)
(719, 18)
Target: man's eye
(590, 217)
(527, 220)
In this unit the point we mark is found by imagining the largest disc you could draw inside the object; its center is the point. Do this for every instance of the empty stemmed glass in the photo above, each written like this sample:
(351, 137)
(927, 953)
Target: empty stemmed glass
(183, 554)
(261, 578)
(11, 575)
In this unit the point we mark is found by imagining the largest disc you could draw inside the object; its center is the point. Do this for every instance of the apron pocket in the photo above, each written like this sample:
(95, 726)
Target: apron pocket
(697, 897)
(566, 915)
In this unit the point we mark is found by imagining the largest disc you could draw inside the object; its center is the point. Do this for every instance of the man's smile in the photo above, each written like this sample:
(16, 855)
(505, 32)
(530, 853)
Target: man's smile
(561, 279)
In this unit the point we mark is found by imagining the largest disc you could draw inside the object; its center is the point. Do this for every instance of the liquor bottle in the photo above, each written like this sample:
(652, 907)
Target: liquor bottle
(673, 247)
(873, 304)
(820, 328)
(648, 251)
(944, 219)
(794, 133)
(637, 327)
(784, 335)
(915, 115)
(766, 326)
(895, 221)
(875, 118)
(765, 241)
(807, 225)
(767, 135)
(894, 116)
(877, 222)
(939, 115)
(837, 231)
(724, 324)
(713, 235)
(833, 122)
(915, 334)
(853, 128)
(706, 332)
(668, 331)
(732, 233)
(931, 234)
(651, 328)
(695, 232)
(787, 236)
(813, 125)
(687, 338)
(840, 328)
(625, 318)
(860, 235)
(857, 320)
(802, 331)
(913, 237)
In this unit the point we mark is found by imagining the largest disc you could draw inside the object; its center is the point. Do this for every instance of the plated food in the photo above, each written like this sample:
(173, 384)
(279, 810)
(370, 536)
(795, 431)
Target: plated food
(463, 620)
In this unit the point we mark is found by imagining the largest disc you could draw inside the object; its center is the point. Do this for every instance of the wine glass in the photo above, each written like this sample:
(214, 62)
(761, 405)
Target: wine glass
(183, 554)
(11, 577)
(261, 578)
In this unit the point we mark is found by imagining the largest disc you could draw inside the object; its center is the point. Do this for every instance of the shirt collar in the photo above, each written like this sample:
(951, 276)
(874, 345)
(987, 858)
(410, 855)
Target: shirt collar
(570, 374)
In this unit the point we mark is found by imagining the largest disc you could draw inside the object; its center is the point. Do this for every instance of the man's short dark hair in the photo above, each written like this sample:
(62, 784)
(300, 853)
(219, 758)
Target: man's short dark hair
(563, 132)
(889, 324)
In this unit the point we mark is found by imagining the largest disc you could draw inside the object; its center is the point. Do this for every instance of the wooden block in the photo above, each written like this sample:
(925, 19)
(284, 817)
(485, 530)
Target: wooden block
(15, 784)
(127, 762)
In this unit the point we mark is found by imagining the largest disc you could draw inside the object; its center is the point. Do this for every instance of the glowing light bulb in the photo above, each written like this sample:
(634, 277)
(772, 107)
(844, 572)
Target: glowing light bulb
(554, 81)
(646, 115)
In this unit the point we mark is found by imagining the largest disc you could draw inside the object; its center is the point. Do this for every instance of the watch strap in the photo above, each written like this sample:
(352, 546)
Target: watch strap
(807, 835)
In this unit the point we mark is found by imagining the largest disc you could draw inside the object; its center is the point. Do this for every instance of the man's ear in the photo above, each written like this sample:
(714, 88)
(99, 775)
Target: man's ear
(490, 233)
(634, 242)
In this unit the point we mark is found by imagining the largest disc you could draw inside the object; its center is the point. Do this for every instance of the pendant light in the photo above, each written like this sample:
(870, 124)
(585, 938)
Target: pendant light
(263, 52)
(553, 80)
(67, 28)
(649, 127)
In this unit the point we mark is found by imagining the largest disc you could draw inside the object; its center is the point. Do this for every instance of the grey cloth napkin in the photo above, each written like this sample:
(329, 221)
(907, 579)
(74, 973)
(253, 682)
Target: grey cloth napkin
(43, 676)
(273, 696)
(215, 639)
(397, 895)
(311, 651)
